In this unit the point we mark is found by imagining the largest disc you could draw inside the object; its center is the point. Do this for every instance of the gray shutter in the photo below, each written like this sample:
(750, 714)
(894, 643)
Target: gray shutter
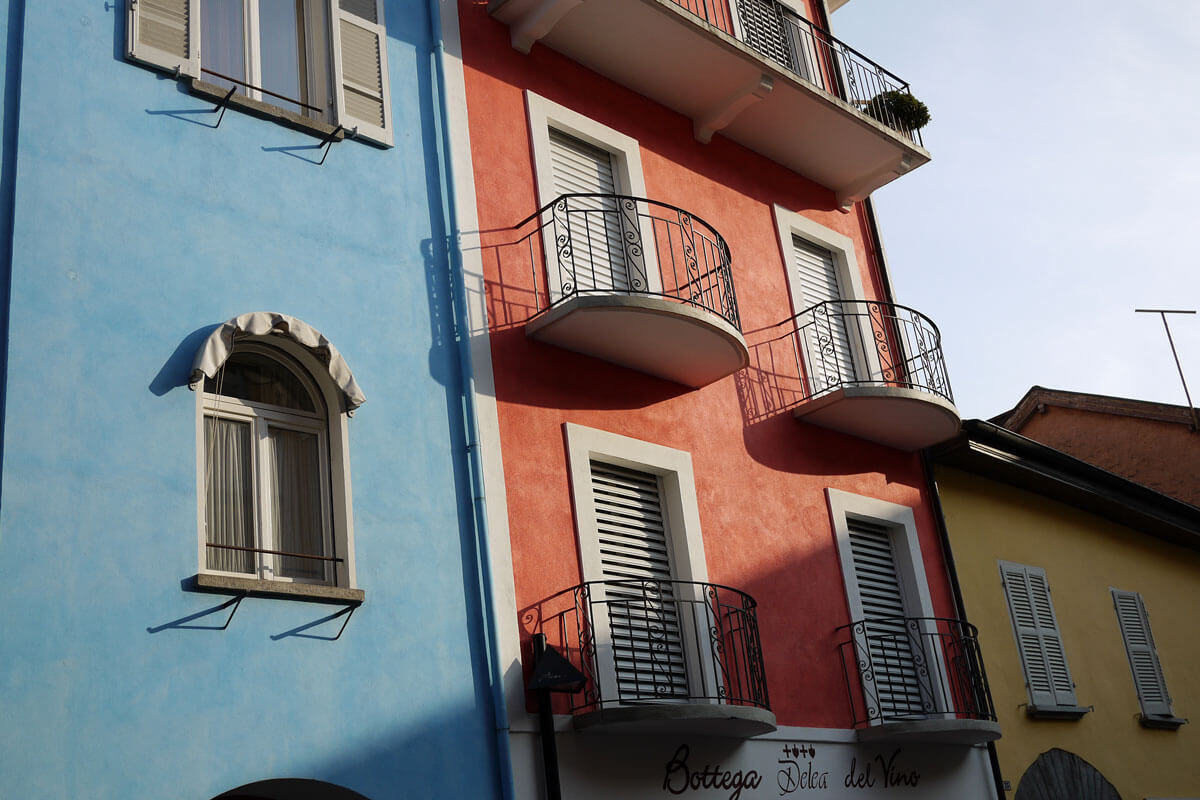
(828, 355)
(643, 615)
(1143, 657)
(162, 33)
(764, 30)
(1038, 639)
(894, 670)
(361, 69)
(597, 259)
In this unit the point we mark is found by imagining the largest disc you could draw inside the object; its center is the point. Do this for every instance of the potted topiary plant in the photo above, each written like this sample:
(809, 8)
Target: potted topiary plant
(898, 109)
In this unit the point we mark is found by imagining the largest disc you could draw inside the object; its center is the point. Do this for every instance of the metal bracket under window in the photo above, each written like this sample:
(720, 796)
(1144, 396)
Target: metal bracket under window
(224, 104)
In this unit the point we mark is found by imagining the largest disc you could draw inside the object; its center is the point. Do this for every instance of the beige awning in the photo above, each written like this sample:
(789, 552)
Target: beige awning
(219, 345)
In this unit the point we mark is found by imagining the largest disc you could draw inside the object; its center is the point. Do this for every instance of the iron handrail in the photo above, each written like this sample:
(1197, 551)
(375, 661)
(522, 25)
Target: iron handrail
(889, 345)
(247, 85)
(596, 243)
(652, 640)
(762, 25)
(273, 552)
(912, 668)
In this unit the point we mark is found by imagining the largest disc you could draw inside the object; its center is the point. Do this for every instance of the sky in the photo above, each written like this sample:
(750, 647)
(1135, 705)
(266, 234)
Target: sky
(1061, 195)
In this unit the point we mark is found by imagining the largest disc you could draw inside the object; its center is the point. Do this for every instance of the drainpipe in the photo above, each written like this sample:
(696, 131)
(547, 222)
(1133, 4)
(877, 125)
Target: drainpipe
(458, 296)
(15, 58)
(959, 606)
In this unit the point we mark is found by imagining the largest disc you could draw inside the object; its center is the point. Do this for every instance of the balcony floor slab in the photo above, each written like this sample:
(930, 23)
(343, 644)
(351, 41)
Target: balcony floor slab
(660, 337)
(932, 731)
(697, 719)
(907, 419)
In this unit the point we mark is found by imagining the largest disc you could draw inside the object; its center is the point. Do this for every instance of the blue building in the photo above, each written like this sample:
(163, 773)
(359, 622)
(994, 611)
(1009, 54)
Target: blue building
(223, 231)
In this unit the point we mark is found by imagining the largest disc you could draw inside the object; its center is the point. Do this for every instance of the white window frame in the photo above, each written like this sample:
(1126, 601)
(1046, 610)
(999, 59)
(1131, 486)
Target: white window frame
(318, 50)
(329, 24)
(333, 439)
(545, 114)
(910, 564)
(682, 517)
(790, 223)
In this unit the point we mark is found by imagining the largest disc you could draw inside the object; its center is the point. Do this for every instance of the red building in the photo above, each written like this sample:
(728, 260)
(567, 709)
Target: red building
(1153, 444)
(700, 407)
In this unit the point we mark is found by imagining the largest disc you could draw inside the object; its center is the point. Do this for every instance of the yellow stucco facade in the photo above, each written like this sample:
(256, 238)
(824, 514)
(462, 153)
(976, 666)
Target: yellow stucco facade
(1083, 554)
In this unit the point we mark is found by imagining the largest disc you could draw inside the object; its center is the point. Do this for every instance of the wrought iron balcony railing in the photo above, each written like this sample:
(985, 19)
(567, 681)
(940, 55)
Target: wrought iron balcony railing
(842, 343)
(600, 244)
(811, 53)
(656, 642)
(901, 669)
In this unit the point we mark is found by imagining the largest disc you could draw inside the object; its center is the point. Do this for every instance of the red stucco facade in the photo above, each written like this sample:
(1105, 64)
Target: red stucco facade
(760, 474)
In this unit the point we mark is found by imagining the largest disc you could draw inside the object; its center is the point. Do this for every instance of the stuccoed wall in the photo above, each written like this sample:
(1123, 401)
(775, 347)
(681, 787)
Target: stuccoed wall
(1084, 555)
(137, 228)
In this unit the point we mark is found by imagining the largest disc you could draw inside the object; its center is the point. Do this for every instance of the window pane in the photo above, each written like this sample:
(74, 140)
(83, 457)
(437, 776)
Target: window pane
(297, 502)
(229, 502)
(281, 30)
(223, 40)
(257, 378)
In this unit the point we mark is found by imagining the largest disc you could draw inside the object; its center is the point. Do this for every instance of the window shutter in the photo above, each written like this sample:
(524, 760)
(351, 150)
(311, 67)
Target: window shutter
(830, 359)
(163, 33)
(361, 70)
(1143, 658)
(1038, 639)
(889, 645)
(597, 257)
(647, 639)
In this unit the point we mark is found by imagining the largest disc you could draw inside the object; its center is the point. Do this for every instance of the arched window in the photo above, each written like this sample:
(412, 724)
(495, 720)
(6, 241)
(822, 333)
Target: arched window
(273, 486)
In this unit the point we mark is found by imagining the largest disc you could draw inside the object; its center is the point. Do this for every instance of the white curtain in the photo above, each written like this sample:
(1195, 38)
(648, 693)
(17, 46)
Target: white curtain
(229, 507)
(296, 502)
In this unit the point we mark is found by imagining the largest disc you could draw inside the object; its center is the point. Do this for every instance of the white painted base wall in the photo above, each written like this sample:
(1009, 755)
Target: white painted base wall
(795, 763)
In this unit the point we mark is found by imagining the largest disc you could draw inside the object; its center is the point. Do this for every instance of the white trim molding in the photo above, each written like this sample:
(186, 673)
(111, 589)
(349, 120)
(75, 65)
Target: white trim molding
(674, 468)
(903, 527)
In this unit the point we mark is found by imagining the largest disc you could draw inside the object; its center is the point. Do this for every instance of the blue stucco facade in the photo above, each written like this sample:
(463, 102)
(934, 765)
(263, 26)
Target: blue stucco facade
(131, 229)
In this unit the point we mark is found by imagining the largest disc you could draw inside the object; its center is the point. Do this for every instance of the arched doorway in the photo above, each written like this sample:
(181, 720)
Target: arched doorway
(1059, 775)
(290, 789)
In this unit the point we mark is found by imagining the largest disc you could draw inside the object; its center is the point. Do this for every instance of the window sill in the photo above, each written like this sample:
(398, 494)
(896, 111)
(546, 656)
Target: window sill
(254, 587)
(1057, 712)
(289, 119)
(1162, 723)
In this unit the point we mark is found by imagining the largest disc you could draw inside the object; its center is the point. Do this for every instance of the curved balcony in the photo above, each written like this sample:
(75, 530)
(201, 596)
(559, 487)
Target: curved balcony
(634, 282)
(753, 70)
(661, 656)
(871, 369)
(917, 679)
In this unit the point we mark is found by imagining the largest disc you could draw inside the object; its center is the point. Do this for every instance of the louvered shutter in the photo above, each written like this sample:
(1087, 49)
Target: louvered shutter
(1038, 639)
(829, 358)
(889, 641)
(764, 29)
(597, 257)
(361, 69)
(1143, 657)
(163, 33)
(643, 616)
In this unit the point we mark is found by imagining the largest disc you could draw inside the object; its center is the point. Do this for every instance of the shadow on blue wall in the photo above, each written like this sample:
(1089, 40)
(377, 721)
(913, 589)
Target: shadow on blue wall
(178, 366)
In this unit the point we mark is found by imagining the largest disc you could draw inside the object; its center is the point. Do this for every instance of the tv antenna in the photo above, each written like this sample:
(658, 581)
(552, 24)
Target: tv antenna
(1162, 312)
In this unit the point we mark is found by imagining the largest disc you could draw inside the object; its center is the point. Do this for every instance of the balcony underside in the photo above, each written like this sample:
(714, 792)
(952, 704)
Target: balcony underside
(932, 731)
(907, 419)
(692, 719)
(660, 337)
(659, 50)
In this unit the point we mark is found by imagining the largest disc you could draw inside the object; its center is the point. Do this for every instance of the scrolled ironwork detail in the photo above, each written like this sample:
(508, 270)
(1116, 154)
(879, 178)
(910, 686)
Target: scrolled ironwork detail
(910, 668)
(868, 343)
(648, 640)
(617, 244)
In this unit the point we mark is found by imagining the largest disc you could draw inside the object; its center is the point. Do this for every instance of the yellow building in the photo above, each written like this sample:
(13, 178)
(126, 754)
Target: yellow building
(1085, 588)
